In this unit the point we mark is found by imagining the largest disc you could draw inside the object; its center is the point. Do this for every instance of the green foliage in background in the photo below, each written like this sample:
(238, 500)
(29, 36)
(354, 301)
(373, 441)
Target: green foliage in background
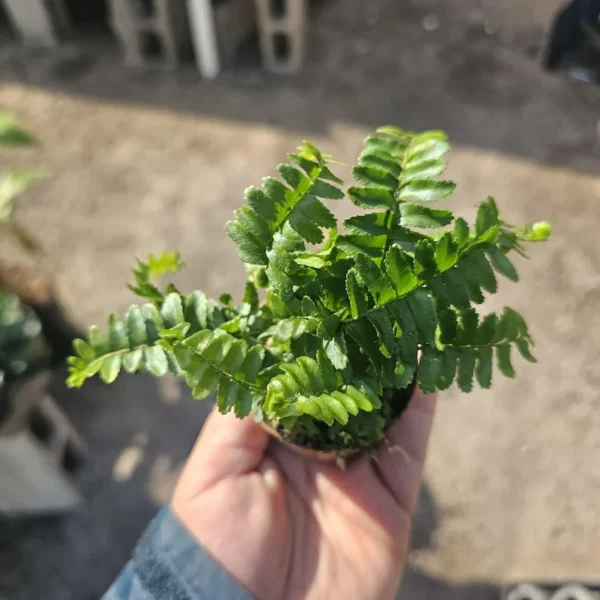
(332, 317)
(21, 340)
(15, 180)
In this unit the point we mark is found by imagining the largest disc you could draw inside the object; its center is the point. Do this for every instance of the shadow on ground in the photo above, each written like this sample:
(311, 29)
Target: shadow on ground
(419, 64)
(138, 432)
(417, 585)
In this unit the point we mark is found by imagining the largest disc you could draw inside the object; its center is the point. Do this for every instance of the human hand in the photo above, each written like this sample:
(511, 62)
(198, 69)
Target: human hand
(288, 527)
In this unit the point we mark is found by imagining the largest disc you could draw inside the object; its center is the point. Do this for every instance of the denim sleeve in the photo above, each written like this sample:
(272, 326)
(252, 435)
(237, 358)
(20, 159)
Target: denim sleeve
(169, 565)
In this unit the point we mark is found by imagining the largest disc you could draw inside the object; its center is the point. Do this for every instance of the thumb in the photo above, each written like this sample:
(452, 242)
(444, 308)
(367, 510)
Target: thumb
(226, 447)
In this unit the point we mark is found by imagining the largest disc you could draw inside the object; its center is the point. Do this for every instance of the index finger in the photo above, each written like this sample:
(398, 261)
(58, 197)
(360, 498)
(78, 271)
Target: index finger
(402, 454)
(226, 447)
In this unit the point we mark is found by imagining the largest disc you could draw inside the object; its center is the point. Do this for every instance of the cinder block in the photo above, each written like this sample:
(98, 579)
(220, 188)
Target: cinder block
(573, 592)
(39, 452)
(527, 592)
(282, 26)
(152, 33)
(39, 22)
(553, 591)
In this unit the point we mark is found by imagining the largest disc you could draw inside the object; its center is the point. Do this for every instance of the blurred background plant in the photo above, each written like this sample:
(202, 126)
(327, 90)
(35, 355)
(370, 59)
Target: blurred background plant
(14, 181)
(23, 348)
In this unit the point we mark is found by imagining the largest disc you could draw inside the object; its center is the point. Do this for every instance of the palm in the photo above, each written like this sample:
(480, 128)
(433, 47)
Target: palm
(289, 527)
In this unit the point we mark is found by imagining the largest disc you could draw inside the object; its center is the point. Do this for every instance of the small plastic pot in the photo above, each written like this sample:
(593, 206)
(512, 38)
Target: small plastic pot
(395, 403)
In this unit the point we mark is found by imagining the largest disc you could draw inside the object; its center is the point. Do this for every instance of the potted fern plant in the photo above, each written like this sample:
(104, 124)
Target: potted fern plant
(334, 329)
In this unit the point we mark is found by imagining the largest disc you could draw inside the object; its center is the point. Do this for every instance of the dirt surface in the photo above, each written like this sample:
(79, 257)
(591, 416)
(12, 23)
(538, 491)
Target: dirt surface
(146, 161)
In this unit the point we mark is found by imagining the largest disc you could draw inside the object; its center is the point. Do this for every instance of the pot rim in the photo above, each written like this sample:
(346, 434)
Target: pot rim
(322, 455)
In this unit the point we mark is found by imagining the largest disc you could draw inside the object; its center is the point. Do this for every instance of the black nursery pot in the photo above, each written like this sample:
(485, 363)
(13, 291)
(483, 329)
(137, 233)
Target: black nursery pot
(395, 402)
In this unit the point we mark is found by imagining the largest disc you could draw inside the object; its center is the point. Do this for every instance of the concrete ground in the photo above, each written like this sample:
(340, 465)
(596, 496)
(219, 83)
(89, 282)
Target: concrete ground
(146, 161)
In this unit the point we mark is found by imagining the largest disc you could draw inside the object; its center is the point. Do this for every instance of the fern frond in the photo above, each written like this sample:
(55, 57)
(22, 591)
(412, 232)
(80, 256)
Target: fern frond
(216, 361)
(137, 342)
(315, 388)
(399, 303)
(153, 268)
(158, 342)
(396, 171)
(437, 264)
(468, 344)
(295, 201)
(141, 340)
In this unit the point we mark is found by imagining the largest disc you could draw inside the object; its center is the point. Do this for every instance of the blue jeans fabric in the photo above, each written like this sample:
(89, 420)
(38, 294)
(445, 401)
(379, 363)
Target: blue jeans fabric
(169, 565)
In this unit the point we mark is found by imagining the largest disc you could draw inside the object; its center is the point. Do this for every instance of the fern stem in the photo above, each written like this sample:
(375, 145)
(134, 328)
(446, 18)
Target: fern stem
(490, 345)
(389, 221)
(211, 364)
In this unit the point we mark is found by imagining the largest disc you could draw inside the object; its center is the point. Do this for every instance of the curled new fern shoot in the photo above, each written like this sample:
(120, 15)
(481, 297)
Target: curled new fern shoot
(335, 326)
